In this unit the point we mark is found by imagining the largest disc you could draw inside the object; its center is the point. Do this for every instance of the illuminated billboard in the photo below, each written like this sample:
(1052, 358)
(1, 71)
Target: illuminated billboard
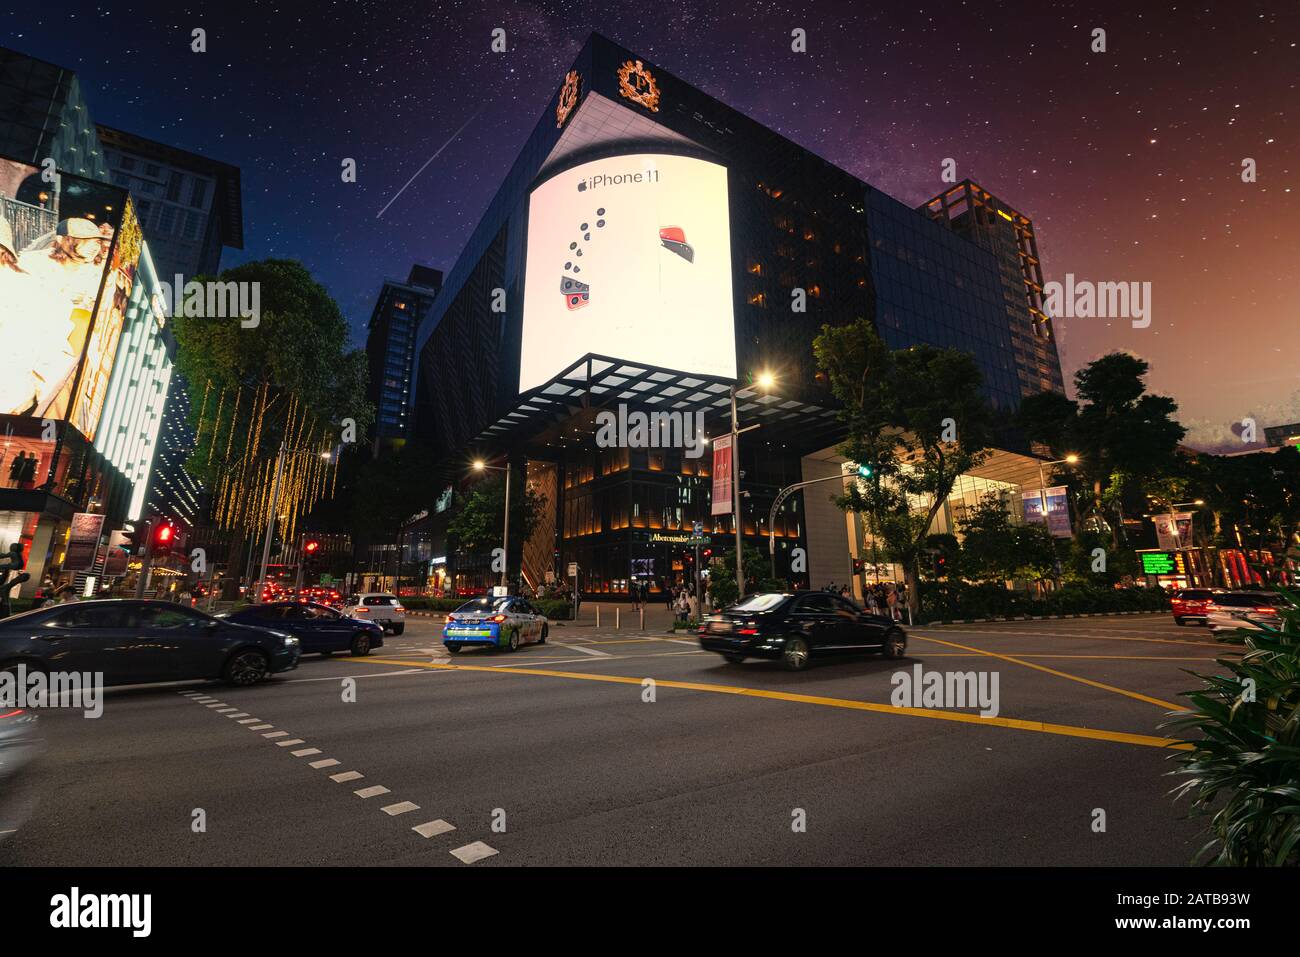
(56, 245)
(629, 257)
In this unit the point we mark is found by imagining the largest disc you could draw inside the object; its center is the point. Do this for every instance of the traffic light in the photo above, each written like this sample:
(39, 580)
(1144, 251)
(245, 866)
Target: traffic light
(164, 537)
(866, 471)
(132, 539)
(859, 566)
(939, 563)
(311, 548)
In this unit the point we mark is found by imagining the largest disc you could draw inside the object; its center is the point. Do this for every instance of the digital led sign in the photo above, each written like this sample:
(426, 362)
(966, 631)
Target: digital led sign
(629, 257)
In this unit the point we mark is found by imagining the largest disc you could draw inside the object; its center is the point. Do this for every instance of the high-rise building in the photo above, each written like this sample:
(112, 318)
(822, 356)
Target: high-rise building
(44, 115)
(107, 404)
(390, 349)
(652, 249)
(974, 212)
(189, 205)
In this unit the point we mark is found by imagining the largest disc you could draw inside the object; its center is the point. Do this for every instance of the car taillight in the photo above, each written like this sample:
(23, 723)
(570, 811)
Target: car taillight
(398, 608)
(362, 610)
(498, 618)
(1267, 610)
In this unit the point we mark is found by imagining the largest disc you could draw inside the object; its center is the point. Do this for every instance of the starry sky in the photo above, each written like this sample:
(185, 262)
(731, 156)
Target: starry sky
(1129, 161)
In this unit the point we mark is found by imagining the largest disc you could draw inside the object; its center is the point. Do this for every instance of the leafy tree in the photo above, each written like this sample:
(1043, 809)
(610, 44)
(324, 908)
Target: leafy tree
(722, 576)
(918, 419)
(476, 520)
(988, 540)
(1254, 499)
(1120, 433)
(299, 349)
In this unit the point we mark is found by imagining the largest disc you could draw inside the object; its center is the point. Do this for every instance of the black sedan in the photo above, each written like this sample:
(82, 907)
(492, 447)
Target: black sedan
(793, 628)
(319, 629)
(133, 642)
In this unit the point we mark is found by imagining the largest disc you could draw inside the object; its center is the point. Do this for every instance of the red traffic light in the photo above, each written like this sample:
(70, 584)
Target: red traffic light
(165, 533)
(311, 547)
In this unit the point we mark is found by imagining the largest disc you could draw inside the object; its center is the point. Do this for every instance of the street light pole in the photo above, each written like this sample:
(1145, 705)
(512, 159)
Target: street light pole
(777, 502)
(505, 530)
(270, 525)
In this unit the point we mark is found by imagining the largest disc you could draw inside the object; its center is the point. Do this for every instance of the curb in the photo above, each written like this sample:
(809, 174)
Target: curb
(1085, 614)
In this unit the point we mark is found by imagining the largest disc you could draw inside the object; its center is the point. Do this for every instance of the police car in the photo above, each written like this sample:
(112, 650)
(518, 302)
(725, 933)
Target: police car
(504, 621)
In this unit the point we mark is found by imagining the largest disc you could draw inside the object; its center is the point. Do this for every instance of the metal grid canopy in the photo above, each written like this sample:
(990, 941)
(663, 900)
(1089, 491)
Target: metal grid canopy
(595, 381)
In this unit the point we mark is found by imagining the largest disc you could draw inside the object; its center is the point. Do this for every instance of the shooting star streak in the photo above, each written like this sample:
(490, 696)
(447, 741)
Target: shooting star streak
(428, 161)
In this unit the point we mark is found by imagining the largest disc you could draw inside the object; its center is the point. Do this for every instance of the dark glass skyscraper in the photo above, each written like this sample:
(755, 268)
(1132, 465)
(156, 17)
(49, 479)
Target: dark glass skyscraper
(390, 348)
(599, 277)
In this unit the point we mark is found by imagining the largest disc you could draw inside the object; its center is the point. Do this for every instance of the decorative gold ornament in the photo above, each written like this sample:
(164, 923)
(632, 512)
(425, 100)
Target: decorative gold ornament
(568, 97)
(637, 84)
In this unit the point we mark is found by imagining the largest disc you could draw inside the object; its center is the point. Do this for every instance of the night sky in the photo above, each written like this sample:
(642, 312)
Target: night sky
(1128, 161)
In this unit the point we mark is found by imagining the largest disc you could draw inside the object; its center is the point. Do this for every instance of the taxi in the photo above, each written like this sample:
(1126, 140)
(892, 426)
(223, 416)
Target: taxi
(504, 621)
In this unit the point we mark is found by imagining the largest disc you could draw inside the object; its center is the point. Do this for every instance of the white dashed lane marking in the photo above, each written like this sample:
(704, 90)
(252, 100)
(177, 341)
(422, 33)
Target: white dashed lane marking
(473, 852)
(586, 651)
(468, 854)
(433, 828)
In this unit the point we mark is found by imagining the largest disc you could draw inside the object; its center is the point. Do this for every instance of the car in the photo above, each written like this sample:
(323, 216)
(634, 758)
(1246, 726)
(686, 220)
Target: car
(383, 609)
(139, 642)
(1230, 610)
(318, 628)
(20, 744)
(506, 621)
(1189, 605)
(793, 628)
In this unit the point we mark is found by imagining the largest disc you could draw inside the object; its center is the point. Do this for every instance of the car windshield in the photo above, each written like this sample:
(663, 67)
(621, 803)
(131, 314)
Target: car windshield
(482, 606)
(758, 603)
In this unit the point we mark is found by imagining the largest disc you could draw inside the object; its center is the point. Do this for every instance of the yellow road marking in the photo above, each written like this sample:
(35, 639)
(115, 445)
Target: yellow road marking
(1060, 674)
(1077, 636)
(1097, 734)
(966, 654)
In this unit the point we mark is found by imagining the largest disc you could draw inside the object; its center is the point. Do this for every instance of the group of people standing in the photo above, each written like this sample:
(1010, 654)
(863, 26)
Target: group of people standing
(879, 598)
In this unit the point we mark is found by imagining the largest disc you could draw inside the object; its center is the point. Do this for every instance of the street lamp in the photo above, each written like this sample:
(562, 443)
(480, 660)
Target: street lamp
(765, 380)
(1070, 459)
(479, 466)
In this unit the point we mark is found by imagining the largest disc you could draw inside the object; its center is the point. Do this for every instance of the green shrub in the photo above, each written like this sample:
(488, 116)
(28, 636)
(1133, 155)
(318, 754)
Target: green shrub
(1243, 769)
(948, 600)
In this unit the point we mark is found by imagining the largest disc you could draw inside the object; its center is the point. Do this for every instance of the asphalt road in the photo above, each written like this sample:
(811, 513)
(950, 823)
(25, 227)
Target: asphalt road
(561, 754)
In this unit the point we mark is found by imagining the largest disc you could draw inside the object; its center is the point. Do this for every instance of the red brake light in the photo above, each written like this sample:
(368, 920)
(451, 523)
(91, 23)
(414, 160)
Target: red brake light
(498, 618)
(361, 608)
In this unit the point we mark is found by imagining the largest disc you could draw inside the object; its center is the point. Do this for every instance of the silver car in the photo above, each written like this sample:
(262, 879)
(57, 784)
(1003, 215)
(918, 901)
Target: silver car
(1230, 610)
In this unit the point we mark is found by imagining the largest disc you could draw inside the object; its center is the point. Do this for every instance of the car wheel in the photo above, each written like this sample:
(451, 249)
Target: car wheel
(795, 657)
(361, 646)
(454, 649)
(246, 667)
(734, 659)
(1179, 621)
(895, 645)
(545, 631)
(514, 640)
(398, 629)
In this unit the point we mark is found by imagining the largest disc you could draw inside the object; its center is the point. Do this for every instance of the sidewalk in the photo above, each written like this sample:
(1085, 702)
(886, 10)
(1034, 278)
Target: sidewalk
(658, 617)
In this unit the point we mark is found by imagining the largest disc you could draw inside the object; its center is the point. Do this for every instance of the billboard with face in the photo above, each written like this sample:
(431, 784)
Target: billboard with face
(629, 257)
(56, 244)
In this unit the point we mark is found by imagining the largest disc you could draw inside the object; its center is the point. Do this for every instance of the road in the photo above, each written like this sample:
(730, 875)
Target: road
(561, 754)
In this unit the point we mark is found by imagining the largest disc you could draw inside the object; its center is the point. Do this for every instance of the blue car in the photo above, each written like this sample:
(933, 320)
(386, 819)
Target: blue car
(319, 629)
(503, 622)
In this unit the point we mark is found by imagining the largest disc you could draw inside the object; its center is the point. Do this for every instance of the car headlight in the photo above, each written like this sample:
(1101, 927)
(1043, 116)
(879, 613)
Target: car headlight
(290, 641)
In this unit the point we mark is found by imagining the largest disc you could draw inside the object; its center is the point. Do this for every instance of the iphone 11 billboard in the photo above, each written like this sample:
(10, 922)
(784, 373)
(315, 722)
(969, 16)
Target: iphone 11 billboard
(629, 257)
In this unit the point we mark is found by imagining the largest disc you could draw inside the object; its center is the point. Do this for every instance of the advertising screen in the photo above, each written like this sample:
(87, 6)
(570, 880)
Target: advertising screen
(629, 257)
(56, 237)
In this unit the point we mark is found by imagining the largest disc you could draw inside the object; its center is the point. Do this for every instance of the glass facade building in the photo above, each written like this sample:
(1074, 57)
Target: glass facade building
(810, 245)
(390, 348)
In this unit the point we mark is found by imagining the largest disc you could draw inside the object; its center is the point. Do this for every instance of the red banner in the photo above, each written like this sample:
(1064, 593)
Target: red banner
(722, 475)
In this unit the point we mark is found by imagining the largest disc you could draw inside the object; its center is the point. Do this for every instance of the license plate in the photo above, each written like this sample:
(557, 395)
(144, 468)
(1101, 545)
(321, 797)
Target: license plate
(468, 633)
(720, 627)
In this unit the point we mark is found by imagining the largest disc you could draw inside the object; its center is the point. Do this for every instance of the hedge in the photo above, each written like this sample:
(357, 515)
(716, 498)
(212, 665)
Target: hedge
(553, 608)
(946, 601)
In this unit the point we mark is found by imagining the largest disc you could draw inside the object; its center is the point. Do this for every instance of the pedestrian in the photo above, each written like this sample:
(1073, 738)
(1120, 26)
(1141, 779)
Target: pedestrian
(683, 608)
(844, 592)
(670, 594)
(892, 600)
